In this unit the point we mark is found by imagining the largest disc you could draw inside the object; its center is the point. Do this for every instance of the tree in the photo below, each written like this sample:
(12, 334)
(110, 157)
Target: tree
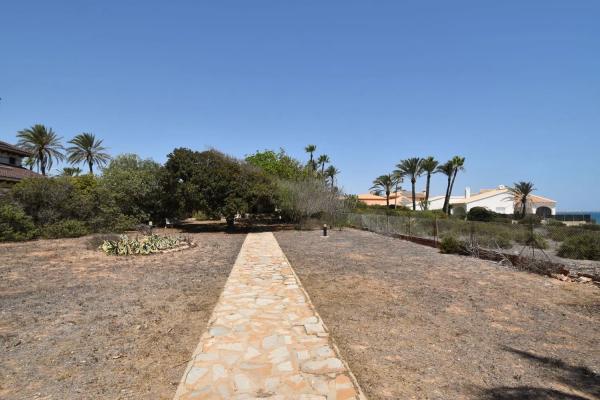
(521, 191)
(44, 145)
(70, 171)
(385, 184)
(86, 148)
(411, 167)
(214, 183)
(397, 188)
(322, 160)
(331, 173)
(429, 165)
(447, 169)
(311, 148)
(278, 165)
(457, 165)
(135, 185)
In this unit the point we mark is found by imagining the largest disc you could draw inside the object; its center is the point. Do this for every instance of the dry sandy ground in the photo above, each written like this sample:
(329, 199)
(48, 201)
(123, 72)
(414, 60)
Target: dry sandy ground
(416, 324)
(77, 324)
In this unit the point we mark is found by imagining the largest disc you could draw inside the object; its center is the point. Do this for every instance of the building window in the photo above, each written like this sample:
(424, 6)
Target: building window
(12, 160)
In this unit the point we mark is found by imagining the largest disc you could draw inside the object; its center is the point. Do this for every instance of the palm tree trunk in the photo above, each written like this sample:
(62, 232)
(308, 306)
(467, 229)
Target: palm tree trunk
(387, 199)
(91, 165)
(426, 205)
(450, 191)
(447, 197)
(322, 168)
(524, 208)
(413, 181)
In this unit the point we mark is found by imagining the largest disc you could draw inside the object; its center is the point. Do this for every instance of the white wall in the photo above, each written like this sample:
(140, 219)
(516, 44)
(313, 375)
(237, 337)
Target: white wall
(502, 203)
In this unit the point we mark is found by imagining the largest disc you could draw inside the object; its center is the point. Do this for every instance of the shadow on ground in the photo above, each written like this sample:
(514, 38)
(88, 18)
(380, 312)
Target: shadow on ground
(581, 382)
(241, 227)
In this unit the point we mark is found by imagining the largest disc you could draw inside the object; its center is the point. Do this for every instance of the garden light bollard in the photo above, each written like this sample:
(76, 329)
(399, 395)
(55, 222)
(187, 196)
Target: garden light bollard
(324, 229)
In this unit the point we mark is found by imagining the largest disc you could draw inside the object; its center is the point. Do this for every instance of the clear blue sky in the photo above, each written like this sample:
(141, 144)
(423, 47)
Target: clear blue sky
(514, 86)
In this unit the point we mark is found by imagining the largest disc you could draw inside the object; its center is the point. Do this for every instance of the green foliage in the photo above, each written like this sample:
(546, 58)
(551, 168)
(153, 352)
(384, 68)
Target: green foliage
(141, 246)
(15, 225)
(451, 245)
(135, 186)
(480, 214)
(277, 165)
(553, 222)
(585, 246)
(530, 219)
(86, 148)
(309, 198)
(214, 183)
(65, 229)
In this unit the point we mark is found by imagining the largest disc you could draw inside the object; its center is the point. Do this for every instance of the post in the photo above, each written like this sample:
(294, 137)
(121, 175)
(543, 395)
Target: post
(324, 229)
(435, 230)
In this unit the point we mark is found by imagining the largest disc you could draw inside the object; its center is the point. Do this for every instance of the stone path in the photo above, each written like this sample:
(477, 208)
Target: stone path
(264, 339)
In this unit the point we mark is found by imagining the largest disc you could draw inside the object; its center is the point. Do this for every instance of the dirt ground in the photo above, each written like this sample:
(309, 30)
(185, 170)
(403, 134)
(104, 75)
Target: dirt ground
(77, 324)
(416, 324)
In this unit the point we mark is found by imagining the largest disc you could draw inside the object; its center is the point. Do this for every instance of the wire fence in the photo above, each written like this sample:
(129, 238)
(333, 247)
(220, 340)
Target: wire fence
(551, 242)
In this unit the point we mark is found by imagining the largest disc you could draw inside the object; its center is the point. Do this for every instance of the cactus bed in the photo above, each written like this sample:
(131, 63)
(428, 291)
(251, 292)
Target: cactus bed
(144, 245)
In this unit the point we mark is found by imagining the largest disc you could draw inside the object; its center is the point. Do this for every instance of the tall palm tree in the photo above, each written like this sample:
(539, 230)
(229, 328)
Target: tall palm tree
(522, 190)
(429, 165)
(331, 172)
(44, 145)
(458, 165)
(411, 167)
(385, 184)
(310, 149)
(322, 160)
(447, 169)
(86, 148)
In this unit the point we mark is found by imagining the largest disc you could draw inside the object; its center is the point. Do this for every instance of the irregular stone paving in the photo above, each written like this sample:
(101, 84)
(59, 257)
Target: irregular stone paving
(264, 339)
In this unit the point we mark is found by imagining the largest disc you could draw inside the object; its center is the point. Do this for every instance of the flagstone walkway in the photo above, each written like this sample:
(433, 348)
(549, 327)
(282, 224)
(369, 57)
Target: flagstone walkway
(264, 339)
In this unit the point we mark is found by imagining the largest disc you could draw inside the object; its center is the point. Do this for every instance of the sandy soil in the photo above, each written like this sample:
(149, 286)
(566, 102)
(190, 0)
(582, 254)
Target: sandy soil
(416, 324)
(77, 324)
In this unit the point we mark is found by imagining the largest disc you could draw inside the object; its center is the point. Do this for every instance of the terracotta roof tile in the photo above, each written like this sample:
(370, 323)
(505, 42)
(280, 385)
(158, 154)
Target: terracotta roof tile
(14, 173)
(13, 149)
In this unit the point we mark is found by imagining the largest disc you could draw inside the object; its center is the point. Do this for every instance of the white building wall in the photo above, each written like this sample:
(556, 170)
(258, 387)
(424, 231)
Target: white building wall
(502, 203)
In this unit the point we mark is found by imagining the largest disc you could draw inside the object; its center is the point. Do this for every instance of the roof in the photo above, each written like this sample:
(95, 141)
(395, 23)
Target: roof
(370, 196)
(494, 192)
(539, 199)
(14, 173)
(9, 148)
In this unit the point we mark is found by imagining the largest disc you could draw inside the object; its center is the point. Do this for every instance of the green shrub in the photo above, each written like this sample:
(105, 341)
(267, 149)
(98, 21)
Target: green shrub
(590, 227)
(15, 225)
(553, 222)
(531, 220)
(534, 240)
(200, 216)
(451, 245)
(481, 214)
(585, 246)
(141, 246)
(65, 229)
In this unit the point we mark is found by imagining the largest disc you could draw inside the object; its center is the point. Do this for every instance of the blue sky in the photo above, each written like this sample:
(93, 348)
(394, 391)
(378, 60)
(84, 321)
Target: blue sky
(514, 86)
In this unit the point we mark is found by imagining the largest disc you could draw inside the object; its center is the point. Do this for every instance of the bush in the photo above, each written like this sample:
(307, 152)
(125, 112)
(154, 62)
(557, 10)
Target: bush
(65, 229)
(15, 225)
(480, 214)
(534, 240)
(585, 246)
(553, 222)
(451, 245)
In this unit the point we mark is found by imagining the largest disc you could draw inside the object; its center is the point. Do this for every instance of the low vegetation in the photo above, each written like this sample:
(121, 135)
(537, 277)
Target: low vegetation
(145, 245)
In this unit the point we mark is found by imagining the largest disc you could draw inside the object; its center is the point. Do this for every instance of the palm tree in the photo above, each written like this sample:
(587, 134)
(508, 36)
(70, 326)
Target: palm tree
(385, 184)
(86, 148)
(44, 145)
(71, 171)
(522, 190)
(311, 148)
(447, 169)
(331, 172)
(411, 167)
(397, 187)
(458, 165)
(429, 166)
(322, 160)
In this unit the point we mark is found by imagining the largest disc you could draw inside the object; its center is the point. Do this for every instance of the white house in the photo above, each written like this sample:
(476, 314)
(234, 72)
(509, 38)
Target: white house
(499, 200)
